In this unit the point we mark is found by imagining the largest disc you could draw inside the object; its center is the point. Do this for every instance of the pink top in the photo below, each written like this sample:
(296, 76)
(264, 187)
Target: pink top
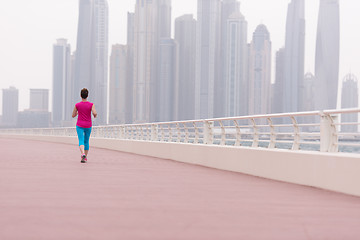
(84, 114)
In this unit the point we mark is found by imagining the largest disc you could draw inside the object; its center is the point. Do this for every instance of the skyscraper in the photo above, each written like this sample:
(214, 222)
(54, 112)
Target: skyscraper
(130, 67)
(294, 56)
(327, 55)
(260, 71)
(91, 68)
(308, 93)
(62, 96)
(147, 33)
(39, 99)
(167, 85)
(208, 66)
(236, 81)
(228, 8)
(278, 90)
(185, 35)
(350, 99)
(10, 106)
(118, 85)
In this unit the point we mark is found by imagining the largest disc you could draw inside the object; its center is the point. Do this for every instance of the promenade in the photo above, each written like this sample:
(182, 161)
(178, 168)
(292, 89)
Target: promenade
(46, 193)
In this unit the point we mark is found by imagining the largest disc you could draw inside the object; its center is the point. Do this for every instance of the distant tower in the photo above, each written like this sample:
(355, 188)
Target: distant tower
(10, 106)
(62, 104)
(236, 84)
(350, 99)
(148, 29)
(278, 90)
(308, 93)
(185, 35)
(294, 56)
(167, 84)
(118, 85)
(327, 55)
(229, 8)
(39, 100)
(130, 67)
(260, 71)
(91, 68)
(208, 66)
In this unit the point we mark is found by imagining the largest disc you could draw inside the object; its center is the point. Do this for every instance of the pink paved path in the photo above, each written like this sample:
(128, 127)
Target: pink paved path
(45, 193)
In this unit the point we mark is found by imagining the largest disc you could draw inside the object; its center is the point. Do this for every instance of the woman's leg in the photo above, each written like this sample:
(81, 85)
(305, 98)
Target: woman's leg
(87, 133)
(80, 133)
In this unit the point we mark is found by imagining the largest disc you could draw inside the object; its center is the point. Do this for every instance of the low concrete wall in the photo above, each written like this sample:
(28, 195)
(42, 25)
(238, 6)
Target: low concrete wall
(338, 172)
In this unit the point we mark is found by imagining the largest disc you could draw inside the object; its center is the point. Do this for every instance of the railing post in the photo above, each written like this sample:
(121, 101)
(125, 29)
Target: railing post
(272, 143)
(256, 134)
(296, 143)
(154, 133)
(328, 133)
(208, 132)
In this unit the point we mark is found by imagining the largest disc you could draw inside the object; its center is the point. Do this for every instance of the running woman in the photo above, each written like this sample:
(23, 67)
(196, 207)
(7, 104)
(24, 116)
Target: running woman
(84, 123)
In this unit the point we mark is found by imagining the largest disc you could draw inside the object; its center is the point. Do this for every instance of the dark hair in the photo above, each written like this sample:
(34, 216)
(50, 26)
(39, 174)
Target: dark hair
(84, 93)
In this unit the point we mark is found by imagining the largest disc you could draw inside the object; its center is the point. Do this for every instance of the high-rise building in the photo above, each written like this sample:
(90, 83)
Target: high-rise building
(62, 96)
(39, 99)
(236, 81)
(260, 71)
(308, 93)
(118, 85)
(10, 106)
(38, 115)
(185, 35)
(147, 32)
(327, 55)
(167, 85)
(91, 68)
(294, 56)
(278, 95)
(349, 99)
(208, 66)
(130, 67)
(228, 8)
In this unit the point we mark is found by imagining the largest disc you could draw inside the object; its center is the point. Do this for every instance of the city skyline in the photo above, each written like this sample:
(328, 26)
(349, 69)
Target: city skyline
(45, 82)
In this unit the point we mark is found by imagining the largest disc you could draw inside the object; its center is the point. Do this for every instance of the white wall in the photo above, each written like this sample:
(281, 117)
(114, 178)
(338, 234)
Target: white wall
(338, 172)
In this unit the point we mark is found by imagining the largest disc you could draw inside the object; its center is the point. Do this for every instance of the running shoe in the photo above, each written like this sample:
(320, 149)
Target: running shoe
(83, 158)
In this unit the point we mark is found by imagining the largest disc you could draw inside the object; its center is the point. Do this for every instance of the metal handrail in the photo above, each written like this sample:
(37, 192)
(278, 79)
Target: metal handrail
(278, 130)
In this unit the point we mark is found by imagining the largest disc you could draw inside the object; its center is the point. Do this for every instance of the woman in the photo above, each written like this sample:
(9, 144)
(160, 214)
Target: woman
(84, 123)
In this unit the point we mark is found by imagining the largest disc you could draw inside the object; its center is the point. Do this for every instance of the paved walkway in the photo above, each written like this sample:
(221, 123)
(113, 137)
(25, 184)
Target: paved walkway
(46, 193)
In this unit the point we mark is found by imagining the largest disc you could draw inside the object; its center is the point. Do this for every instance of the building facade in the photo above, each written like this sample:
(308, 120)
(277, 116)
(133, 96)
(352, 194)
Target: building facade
(147, 33)
(118, 85)
(294, 56)
(278, 90)
(39, 99)
(349, 99)
(327, 55)
(91, 67)
(236, 80)
(228, 8)
(10, 106)
(260, 72)
(208, 66)
(63, 87)
(185, 36)
(168, 84)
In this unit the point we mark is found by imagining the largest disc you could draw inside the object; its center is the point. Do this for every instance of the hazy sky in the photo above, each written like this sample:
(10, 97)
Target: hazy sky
(29, 28)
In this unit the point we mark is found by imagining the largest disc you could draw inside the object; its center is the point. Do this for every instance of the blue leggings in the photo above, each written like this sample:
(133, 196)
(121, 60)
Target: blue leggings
(83, 136)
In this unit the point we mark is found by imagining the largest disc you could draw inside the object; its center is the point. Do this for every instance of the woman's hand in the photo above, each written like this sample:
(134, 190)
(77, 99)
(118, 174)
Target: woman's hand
(93, 110)
(75, 112)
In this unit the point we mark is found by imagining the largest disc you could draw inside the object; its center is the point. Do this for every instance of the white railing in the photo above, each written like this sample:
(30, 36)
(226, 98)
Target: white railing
(316, 131)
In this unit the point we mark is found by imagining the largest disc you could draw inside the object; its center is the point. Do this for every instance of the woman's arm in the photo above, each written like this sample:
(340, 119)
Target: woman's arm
(93, 110)
(75, 112)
